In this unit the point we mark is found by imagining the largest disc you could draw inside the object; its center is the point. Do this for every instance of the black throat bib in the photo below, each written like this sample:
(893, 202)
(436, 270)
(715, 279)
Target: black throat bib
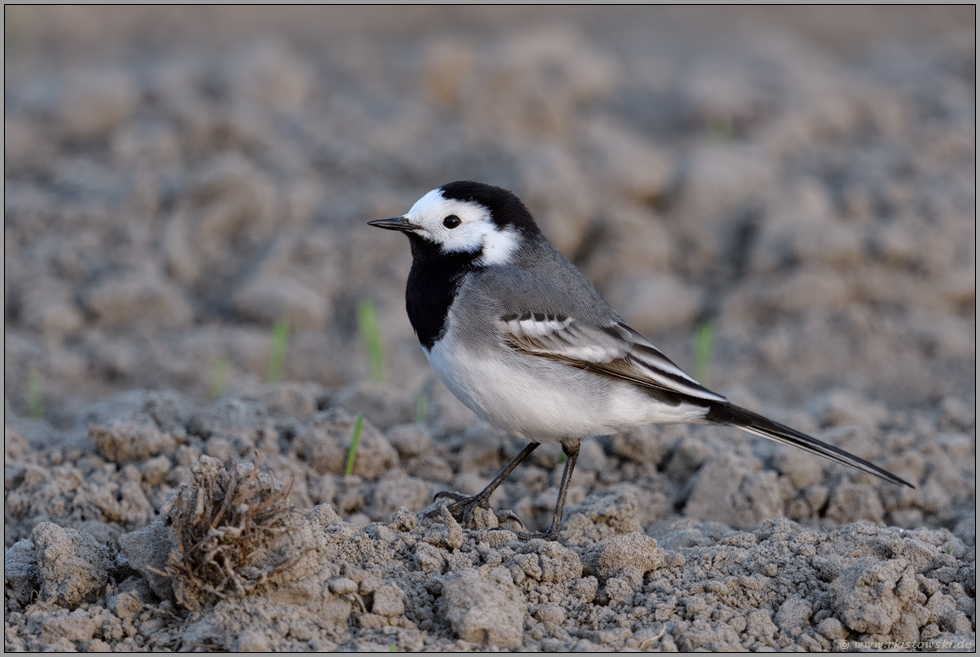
(432, 285)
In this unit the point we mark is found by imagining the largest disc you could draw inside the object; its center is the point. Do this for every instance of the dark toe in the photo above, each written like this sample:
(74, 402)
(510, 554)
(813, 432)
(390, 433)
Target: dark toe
(456, 497)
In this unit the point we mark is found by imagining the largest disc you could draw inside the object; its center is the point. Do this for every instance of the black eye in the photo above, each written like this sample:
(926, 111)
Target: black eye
(451, 221)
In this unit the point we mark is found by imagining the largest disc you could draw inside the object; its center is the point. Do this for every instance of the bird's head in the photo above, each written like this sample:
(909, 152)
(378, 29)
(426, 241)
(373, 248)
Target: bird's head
(465, 217)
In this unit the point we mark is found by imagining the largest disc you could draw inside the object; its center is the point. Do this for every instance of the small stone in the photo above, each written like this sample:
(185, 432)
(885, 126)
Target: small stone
(61, 625)
(869, 595)
(484, 607)
(631, 550)
(125, 605)
(390, 494)
(403, 520)
(148, 551)
(550, 614)
(428, 559)
(731, 489)
(793, 613)
(852, 502)
(342, 586)
(325, 515)
(410, 439)
(131, 439)
(20, 573)
(831, 629)
(253, 641)
(618, 510)
(73, 567)
(591, 457)
(98, 645)
(499, 537)
(389, 600)
(446, 533)
(155, 470)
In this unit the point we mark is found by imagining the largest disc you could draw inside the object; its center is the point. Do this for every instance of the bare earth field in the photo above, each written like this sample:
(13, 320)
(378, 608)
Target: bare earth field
(178, 181)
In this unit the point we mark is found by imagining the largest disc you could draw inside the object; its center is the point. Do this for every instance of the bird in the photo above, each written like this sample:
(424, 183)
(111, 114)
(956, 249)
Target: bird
(518, 334)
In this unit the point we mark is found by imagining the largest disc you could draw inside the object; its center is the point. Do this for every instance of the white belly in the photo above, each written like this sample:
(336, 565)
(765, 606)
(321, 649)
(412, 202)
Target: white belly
(545, 401)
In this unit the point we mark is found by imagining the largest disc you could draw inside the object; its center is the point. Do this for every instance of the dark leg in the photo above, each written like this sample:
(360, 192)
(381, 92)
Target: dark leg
(571, 449)
(482, 499)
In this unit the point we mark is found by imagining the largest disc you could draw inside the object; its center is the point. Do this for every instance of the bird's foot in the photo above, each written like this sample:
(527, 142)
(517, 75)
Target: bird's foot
(550, 535)
(456, 497)
(474, 512)
(462, 506)
(505, 517)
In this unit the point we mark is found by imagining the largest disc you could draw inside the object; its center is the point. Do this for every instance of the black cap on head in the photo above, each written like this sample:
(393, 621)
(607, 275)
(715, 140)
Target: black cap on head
(505, 208)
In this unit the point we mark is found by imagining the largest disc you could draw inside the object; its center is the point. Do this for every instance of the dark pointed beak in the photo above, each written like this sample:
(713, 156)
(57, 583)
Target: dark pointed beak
(398, 223)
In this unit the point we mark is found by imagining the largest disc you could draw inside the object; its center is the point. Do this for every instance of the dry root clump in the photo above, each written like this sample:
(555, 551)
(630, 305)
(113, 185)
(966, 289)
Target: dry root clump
(227, 529)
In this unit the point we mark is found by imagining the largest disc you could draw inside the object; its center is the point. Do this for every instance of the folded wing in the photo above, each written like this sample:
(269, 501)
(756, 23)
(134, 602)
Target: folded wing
(620, 352)
(615, 350)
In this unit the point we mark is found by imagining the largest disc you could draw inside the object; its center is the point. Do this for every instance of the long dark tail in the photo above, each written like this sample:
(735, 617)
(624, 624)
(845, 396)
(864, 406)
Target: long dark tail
(733, 416)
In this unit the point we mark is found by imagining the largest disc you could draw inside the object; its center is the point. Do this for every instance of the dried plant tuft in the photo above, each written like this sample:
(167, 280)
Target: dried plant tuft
(226, 527)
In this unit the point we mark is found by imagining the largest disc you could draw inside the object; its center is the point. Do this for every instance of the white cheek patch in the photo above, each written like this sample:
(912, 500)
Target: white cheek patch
(499, 246)
(430, 212)
(477, 232)
(466, 238)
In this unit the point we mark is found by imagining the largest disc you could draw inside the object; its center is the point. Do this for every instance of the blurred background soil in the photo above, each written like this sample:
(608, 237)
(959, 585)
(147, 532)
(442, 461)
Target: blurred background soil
(187, 272)
(178, 179)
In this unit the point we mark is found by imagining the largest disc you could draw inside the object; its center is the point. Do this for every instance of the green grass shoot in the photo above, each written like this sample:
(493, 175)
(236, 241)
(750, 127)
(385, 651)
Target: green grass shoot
(422, 408)
(35, 405)
(354, 443)
(721, 131)
(704, 346)
(367, 322)
(278, 351)
(219, 375)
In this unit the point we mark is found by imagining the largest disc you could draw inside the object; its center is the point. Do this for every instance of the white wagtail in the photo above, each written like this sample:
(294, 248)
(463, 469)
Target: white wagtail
(520, 336)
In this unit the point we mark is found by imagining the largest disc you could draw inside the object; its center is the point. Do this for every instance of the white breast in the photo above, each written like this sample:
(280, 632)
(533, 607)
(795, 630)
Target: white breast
(542, 400)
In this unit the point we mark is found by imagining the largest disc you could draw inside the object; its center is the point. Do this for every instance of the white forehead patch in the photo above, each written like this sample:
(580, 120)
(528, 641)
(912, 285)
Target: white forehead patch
(477, 230)
(433, 205)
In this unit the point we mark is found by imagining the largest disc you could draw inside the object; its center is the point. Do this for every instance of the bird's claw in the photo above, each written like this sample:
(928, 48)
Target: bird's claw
(462, 508)
(550, 535)
(456, 497)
